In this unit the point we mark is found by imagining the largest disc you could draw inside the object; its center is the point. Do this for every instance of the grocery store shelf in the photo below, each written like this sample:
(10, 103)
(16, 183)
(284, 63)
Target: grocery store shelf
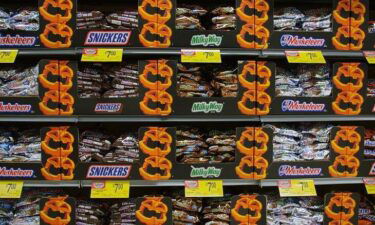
(44, 183)
(30, 118)
(157, 52)
(126, 118)
(317, 181)
(176, 183)
(195, 118)
(278, 53)
(237, 182)
(315, 118)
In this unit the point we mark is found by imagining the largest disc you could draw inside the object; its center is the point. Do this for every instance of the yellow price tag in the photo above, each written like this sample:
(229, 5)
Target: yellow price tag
(11, 189)
(110, 189)
(204, 188)
(200, 56)
(102, 55)
(370, 56)
(296, 188)
(305, 57)
(370, 185)
(8, 56)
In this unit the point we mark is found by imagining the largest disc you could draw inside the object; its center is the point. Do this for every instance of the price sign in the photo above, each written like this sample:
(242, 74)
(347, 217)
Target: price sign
(204, 188)
(102, 55)
(8, 56)
(200, 56)
(370, 56)
(370, 185)
(296, 188)
(11, 189)
(110, 189)
(305, 57)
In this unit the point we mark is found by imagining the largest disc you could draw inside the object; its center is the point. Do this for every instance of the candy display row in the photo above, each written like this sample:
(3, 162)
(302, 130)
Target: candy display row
(165, 153)
(331, 24)
(40, 207)
(167, 87)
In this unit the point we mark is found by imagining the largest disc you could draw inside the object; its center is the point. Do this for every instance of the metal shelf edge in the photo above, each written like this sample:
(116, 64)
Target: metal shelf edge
(42, 183)
(314, 118)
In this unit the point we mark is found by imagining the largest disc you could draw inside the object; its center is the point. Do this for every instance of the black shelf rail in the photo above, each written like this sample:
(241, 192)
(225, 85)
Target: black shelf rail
(159, 52)
(197, 118)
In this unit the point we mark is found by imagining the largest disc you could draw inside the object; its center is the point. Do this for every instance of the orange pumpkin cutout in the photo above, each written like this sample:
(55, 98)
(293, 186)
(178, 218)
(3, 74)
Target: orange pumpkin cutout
(163, 100)
(152, 204)
(345, 202)
(155, 162)
(157, 135)
(351, 72)
(58, 134)
(161, 30)
(251, 204)
(259, 164)
(56, 204)
(346, 141)
(253, 134)
(157, 68)
(261, 101)
(344, 100)
(63, 31)
(62, 5)
(52, 68)
(349, 164)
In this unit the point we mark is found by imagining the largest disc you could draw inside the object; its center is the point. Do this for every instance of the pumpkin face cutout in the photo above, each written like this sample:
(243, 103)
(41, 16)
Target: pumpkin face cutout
(261, 8)
(341, 13)
(343, 33)
(358, 37)
(253, 142)
(260, 33)
(344, 166)
(56, 35)
(346, 205)
(62, 137)
(155, 163)
(156, 142)
(162, 99)
(346, 141)
(264, 75)
(66, 104)
(349, 77)
(64, 6)
(160, 74)
(51, 69)
(52, 165)
(258, 101)
(157, 207)
(247, 77)
(358, 10)
(66, 76)
(152, 29)
(50, 98)
(257, 166)
(245, 10)
(58, 205)
(247, 203)
(348, 103)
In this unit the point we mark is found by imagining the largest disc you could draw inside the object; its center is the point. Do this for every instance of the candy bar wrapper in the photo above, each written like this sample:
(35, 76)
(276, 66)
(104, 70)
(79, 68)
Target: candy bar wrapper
(130, 24)
(35, 88)
(145, 214)
(275, 160)
(100, 88)
(103, 155)
(228, 89)
(205, 25)
(64, 205)
(318, 90)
